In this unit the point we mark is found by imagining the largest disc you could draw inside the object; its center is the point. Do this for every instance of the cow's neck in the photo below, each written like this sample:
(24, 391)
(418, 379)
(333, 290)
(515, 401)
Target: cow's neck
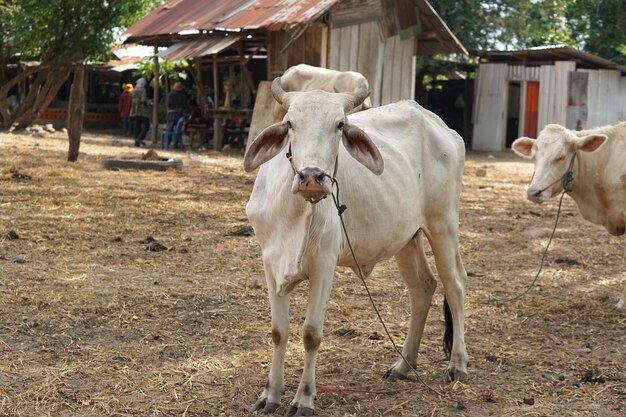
(311, 229)
(587, 189)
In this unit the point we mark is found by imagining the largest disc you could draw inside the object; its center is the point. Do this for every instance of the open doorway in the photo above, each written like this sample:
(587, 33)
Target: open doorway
(513, 112)
(531, 109)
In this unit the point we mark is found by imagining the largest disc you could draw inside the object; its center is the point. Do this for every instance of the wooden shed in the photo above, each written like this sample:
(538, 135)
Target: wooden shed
(517, 93)
(379, 38)
(244, 42)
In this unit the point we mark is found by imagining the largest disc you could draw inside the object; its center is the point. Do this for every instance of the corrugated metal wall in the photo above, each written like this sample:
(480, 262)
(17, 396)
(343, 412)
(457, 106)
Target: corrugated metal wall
(489, 107)
(389, 66)
(605, 98)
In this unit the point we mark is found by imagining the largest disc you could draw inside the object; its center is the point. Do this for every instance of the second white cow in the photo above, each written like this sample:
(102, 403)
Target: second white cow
(599, 168)
(399, 168)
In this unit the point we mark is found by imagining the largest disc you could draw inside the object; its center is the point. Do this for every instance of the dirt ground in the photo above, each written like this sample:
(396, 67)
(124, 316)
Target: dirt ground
(141, 293)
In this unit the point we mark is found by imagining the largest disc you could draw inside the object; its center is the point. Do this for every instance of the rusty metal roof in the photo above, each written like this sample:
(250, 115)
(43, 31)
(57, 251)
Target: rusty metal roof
(168, 23)
(177, 16)
(199, 47)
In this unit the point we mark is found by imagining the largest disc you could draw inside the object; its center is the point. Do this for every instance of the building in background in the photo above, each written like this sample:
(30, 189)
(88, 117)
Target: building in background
(517, 93)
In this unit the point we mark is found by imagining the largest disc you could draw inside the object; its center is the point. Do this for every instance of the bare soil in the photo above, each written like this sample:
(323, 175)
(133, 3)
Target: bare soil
(142, 293)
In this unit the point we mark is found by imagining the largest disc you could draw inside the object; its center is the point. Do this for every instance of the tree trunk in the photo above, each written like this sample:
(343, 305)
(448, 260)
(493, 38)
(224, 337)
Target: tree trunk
(76, 112)
(44, 92)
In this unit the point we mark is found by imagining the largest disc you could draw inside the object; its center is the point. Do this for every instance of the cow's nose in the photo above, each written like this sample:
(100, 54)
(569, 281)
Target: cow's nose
(311, 174)
(534, 195)
(311, 184)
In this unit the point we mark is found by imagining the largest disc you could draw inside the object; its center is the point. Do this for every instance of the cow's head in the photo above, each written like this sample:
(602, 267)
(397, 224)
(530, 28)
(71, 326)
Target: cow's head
(314, 125)
(552, 153)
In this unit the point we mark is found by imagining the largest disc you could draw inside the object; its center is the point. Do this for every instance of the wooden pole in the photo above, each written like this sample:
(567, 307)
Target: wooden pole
(155, 98)
(217, 121)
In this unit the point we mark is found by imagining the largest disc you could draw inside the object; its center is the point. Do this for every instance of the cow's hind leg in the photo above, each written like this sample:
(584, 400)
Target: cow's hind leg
(269, 400)
(320, 283)
(444, 241)
(421, 284)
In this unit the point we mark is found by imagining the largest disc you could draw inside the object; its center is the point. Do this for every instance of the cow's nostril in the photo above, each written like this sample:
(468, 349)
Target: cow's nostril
(301, 176)
(320, 178)
(537, 193)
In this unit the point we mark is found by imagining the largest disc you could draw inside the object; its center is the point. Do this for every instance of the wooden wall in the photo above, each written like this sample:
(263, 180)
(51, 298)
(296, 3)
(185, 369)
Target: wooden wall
(605, 99)
(310, 48)
(388, 65)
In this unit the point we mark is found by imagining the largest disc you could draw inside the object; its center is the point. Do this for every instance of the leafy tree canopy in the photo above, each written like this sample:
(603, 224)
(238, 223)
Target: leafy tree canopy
(594, 26)
(65, 30)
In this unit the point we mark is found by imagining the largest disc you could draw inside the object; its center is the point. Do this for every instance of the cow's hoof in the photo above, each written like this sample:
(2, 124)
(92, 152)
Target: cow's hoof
(263, 406)
(392, 375)
(456, 375)
(296, 411)
(270, 408)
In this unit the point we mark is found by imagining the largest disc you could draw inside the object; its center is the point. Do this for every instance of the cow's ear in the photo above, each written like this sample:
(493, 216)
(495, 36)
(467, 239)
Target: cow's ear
(591, 143)
(265, 146)
(523, 146)
(361, 147)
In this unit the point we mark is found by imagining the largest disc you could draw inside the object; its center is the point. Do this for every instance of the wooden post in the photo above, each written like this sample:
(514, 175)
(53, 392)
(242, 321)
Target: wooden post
(76, 112)
(155, 99)
(217, 121)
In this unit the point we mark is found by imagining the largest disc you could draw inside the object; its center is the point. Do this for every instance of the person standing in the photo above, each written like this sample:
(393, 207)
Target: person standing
(123, 106)
(177, 106)
(139, 111)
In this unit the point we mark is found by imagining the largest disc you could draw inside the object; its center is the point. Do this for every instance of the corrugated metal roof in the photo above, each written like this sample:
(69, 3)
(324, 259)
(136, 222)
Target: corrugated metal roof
(198, 47)
(536, 56)
(176, 16)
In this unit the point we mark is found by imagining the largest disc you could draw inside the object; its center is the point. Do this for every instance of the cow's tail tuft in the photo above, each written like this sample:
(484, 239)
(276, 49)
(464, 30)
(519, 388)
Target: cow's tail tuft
(448, 334)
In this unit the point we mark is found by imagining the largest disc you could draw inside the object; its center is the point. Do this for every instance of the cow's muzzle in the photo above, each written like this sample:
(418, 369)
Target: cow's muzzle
(537, 195)
(312, 184)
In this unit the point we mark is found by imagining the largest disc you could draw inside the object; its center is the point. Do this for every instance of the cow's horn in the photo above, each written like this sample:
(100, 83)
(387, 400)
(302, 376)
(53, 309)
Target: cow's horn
(279, 94)
(355, 99)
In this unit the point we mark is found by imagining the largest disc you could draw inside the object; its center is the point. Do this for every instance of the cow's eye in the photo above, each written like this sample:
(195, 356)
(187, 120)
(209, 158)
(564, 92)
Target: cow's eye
(559, 159)
(340, 125)
(289, 124)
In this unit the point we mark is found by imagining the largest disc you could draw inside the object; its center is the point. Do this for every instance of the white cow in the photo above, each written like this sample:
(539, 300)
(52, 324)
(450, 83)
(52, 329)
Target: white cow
(599, 168)
(305, 77)
(399, 171)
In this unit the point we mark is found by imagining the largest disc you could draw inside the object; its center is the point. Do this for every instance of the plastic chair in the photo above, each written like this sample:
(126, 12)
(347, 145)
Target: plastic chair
(166, 136)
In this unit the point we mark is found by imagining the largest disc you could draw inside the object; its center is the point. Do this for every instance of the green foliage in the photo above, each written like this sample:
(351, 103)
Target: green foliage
(595, 26)
(168, 70)
(600, 27)
(65, 30)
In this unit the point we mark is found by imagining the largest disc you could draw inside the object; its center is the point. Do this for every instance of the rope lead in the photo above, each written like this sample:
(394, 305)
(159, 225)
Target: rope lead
(568, 178)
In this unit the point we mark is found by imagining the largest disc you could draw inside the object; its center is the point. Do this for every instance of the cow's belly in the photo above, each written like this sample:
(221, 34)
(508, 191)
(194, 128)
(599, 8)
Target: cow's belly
(383, 228)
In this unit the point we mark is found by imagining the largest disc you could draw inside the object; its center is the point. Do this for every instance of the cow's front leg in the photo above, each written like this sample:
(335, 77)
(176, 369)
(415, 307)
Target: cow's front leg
(269, 400)
(320, 283)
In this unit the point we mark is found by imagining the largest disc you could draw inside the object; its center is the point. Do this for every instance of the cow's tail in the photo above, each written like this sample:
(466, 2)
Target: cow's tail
(448, 334)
